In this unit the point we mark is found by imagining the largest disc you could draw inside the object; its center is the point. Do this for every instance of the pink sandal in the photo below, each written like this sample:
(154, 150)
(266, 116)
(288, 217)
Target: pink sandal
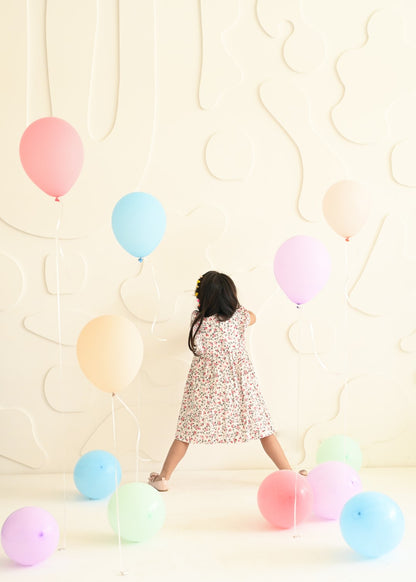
(160, 484)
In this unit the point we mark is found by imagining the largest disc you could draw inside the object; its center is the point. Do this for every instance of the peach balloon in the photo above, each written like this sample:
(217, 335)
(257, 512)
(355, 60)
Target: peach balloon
(110, 352)
(346, 206)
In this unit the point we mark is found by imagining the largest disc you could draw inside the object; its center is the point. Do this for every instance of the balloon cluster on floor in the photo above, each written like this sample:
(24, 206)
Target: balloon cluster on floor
(371, 523)
(137, 508)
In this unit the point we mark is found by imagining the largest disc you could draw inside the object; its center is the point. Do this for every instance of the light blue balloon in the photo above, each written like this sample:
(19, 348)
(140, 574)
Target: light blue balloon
(95, 474)
(139, 223)
(372, 524)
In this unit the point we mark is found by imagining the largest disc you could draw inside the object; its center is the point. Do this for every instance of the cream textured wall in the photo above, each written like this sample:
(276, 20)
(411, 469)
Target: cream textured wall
(237, 115)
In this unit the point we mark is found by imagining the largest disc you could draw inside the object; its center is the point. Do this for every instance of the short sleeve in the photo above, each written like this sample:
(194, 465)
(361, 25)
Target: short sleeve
(244, 316)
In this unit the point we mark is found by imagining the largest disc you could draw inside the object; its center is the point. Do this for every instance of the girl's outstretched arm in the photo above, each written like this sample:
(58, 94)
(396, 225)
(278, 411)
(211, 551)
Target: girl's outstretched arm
(252, 318)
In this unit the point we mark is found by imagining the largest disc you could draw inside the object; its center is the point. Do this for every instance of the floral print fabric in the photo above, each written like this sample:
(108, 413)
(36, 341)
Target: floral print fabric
(222, 402)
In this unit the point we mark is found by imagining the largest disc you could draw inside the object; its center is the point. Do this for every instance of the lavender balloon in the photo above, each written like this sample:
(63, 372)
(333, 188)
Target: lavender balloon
(333, 483)
(302, 266)
(29, 535)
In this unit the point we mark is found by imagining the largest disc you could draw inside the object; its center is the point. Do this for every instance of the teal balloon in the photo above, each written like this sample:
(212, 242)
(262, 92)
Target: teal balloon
(96, 473)
(141, 512)
(340, 448)
(372, 524)
(139, 223)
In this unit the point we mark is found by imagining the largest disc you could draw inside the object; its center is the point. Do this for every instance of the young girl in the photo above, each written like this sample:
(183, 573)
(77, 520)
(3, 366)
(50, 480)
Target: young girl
(222, 402)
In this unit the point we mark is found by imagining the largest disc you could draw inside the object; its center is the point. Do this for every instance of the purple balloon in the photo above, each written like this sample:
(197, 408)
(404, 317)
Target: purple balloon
(302, 266)
(29, 535)
(333, 484)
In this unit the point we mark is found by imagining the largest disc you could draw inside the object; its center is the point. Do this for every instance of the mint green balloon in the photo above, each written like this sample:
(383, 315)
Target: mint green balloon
(340, 448)
(141, 511)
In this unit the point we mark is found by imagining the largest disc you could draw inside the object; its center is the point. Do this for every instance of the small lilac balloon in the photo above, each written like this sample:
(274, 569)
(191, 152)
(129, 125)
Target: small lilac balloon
(302, 266)
(333, 484)
(29, 535)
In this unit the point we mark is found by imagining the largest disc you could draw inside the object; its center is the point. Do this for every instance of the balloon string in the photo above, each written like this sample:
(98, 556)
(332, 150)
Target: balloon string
(346, 333)
(295, 507)
(316, 354)
(298, 380)
(64, 534)
(120, 551)
(58, 254)
(156, 316)
(138, 433)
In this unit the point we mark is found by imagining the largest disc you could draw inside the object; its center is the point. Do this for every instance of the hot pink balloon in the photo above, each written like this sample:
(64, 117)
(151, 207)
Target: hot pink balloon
(302, 266)
(52, 155)
(276, 498)
(333, 484)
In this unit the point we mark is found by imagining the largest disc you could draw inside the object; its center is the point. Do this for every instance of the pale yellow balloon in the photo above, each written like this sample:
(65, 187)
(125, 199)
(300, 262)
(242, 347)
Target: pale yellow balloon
(346, 206)
(110, 352)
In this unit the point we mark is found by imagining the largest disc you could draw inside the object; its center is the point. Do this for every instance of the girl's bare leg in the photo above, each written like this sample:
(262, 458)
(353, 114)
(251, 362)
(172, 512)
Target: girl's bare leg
(273, 448)
(175, 455)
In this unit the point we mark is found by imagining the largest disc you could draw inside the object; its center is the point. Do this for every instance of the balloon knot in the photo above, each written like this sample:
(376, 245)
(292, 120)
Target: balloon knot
(140, 259)
(347, 239)
(297, 305)
(57, 199)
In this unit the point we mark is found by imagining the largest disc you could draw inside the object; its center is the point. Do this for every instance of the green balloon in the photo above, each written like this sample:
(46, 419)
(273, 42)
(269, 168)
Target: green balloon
(340, 448)
(141, 511)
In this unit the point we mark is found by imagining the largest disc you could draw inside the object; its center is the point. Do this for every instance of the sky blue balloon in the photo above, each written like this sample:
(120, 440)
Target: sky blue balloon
(139, 223)
(372, 524)
(95, 474)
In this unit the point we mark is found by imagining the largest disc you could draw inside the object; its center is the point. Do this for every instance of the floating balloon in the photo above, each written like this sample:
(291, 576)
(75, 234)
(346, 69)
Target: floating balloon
(276, 498)
(97, 474)
(139, 223)
(110, 352)
(346, 206)
(333, 484)
(340, 448)
(52, 155)
(302, 266)
(29, 535)
(372, 524)
(141, 511)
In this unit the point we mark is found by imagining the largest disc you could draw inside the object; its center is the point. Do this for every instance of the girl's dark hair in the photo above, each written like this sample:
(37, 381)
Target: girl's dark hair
(217, 295)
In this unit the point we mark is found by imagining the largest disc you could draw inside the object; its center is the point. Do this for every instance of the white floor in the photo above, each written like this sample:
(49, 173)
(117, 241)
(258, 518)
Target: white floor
(213, 532)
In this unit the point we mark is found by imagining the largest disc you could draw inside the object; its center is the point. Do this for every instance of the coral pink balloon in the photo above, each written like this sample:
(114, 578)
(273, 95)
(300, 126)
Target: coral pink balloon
(346, 206)
(276, 498)
(333, 484)
(110, 352)
(302, 266)
(52, 155)
(29, 535)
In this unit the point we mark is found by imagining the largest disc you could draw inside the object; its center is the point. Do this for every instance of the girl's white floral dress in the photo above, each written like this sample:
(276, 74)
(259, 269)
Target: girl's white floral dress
(222, 402)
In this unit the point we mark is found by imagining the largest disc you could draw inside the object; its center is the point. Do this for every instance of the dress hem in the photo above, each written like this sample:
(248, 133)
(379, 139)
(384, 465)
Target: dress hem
(224, 442)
